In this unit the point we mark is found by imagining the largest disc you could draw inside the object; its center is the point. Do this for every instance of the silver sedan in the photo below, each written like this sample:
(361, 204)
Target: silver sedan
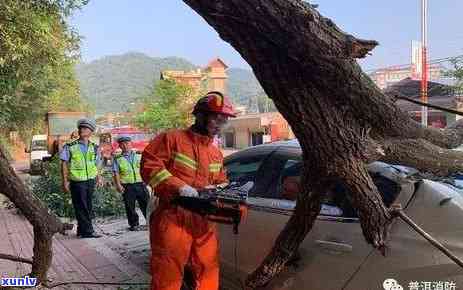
(335, 254)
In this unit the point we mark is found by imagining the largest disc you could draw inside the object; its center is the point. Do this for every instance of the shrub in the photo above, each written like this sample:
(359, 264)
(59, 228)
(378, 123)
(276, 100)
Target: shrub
(106, 200)
(6, 146)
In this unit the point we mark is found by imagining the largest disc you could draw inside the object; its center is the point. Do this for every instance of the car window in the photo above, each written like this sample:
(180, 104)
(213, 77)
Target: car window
(244, 169)
(281, 175)
(38, 145)
(289, 181)
(336, 200)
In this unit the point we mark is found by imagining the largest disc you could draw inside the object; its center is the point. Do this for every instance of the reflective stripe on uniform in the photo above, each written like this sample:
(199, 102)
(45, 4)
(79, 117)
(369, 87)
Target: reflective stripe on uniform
(159, 177)
(215, 167)
(185, 160)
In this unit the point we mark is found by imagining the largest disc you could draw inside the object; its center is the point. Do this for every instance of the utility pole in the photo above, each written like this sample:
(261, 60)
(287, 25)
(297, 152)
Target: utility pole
(424, 66)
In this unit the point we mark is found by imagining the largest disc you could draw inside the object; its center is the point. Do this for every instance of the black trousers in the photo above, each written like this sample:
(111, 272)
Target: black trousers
(135, 192)
(82, 194)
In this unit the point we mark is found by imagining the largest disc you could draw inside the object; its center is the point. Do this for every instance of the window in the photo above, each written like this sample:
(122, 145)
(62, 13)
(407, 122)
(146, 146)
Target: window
(250, 165)
(336, 202)
(289, 184)
(245, 169)
(229, 140)
(257, 138)
(38, 145)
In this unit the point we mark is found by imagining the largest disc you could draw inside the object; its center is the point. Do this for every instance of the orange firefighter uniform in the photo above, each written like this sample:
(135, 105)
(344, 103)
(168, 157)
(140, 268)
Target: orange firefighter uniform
(179, 237)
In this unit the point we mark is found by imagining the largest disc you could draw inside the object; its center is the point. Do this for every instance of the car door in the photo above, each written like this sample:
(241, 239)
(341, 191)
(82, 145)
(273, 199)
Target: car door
(241, 253)
(329, 256)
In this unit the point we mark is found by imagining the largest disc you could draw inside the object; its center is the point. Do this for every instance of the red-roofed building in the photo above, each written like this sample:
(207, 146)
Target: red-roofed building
(216, 75)
(211, 78)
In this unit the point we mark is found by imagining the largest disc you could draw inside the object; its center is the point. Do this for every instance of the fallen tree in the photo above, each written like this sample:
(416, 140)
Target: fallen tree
(45, 224)
(307, 66)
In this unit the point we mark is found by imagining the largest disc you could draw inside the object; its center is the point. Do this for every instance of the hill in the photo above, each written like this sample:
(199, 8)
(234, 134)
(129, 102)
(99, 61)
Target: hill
(243, 86)
(112, 83)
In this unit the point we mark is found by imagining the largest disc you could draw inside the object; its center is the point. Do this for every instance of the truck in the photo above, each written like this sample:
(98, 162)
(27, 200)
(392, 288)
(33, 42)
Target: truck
(60, 126)
(38, 151)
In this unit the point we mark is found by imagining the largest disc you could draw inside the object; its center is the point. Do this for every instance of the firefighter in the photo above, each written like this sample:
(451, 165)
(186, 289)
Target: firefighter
(80, 174)
(126, 173)
(181, 162)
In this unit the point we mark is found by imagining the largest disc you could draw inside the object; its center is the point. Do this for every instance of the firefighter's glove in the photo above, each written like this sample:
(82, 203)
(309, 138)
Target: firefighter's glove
(189, 191)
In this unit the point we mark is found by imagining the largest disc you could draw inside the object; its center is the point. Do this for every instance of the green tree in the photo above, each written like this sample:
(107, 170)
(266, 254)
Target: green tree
(37, 53)
(265, 104)
(456, 72)
(168, 106)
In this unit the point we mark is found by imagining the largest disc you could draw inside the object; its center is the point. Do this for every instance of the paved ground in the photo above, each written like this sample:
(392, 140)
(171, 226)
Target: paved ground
(108, 259)
(119, 256)
(74, 259)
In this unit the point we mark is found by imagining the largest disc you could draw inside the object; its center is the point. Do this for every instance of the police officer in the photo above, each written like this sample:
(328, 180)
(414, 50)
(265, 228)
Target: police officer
(79, 171)
(126, 173)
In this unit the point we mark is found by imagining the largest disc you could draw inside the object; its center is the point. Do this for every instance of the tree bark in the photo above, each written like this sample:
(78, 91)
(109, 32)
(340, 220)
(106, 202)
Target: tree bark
(307, 66)
(45, 223)
(423, 155)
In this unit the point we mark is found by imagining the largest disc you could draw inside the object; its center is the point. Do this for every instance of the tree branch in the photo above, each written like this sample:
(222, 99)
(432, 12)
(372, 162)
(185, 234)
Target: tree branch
(306, 65)
(15, 258)
(422, 155)
(44, 223)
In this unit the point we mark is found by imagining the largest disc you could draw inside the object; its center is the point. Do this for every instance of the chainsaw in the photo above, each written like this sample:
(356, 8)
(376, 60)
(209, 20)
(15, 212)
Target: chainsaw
(221, 204)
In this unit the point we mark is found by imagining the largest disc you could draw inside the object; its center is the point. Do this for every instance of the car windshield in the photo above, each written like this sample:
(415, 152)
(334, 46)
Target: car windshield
(38, 145)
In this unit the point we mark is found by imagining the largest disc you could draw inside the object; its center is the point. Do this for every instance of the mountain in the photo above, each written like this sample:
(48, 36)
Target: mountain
(112, 83)
(243, 86)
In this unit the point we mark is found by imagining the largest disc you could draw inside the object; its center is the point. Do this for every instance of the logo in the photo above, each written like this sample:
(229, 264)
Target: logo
(12, 282)
(391, 284)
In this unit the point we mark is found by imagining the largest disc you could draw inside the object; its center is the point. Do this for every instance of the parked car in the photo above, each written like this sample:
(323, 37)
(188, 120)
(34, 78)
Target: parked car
(334, 254)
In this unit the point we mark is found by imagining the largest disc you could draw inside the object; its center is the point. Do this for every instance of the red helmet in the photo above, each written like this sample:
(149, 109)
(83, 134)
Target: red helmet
(215, 102)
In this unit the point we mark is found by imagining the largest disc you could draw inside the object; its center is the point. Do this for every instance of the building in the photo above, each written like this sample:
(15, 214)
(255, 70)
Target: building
(211, 78)
(438, 94)
(254, 129)
(216, 76)
(192, 78)
(386, 77)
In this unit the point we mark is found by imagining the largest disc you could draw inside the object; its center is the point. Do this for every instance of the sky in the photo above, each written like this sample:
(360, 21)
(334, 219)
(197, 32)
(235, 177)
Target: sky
(163, 28)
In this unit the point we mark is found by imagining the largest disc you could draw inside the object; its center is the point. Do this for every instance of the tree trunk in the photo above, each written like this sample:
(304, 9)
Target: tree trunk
(307, 66)
(45, 224)
(43, 254)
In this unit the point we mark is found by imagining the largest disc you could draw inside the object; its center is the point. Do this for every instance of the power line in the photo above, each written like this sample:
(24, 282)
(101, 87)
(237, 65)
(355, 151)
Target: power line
(433, 61)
